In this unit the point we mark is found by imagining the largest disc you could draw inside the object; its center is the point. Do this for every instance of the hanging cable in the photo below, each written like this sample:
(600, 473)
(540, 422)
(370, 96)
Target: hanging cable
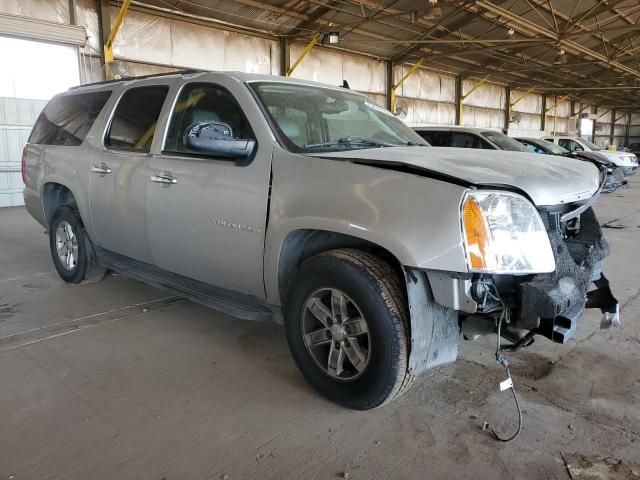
(508, 383)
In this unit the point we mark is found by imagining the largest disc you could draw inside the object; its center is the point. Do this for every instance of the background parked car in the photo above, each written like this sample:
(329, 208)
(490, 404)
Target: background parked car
(634, 148)
(615, 175)
(469, 137)
(627, 161)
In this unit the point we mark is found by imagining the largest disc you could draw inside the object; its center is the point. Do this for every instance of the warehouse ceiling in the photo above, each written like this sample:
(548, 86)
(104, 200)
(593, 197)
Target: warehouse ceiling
(587, 49)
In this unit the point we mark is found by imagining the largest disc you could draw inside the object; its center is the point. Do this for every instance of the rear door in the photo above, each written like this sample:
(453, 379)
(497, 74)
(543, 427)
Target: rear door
(120, 172)
(206, 215)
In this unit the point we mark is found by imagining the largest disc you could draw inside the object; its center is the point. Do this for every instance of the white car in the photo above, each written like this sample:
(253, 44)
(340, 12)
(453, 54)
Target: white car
(628, 162)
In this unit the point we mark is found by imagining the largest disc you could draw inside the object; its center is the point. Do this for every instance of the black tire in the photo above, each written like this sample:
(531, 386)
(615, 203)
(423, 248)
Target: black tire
(86, 268)
(378, 292)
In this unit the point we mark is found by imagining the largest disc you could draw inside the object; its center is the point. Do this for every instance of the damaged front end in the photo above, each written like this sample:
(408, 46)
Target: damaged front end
(548, 304)
(518, 306)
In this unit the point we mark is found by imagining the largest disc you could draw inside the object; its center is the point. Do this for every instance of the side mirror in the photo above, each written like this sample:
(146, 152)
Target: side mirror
(216, 138)
(578, 149)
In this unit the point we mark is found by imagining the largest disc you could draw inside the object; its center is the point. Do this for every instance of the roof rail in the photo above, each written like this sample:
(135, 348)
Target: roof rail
(126, 79)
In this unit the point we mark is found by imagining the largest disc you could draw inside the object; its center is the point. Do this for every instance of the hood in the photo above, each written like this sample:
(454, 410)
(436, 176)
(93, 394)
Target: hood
(594, 157)
(546, 179)
(619, 158)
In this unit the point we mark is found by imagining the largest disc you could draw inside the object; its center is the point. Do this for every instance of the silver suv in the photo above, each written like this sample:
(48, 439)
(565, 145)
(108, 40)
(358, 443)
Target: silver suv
(277, 199)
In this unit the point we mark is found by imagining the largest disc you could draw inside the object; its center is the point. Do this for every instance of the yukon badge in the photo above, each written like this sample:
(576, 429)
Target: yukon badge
(237, 226)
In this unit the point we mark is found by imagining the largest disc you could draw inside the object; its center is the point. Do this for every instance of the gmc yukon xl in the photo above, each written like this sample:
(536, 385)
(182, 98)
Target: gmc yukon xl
(278, 199)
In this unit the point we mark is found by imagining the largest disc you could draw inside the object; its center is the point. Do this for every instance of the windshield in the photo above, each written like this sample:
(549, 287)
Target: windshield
(550, 146)
(313, 119)
(504, 142)
(592, 146)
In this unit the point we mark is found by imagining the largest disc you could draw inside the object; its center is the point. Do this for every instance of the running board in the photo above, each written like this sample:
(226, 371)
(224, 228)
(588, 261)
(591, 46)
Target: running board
(246, 307)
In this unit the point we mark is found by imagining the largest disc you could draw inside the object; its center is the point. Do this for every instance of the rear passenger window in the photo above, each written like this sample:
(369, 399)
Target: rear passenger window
(135, 119)
(67, 119)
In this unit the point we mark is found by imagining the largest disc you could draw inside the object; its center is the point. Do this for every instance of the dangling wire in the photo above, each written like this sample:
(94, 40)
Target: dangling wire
(501, 360)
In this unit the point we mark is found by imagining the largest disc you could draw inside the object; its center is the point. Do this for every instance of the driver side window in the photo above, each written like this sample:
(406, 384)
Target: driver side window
(202, 103)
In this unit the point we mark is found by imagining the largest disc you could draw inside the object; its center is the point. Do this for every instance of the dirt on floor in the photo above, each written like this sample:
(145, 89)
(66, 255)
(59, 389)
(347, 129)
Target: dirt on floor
(120, 380)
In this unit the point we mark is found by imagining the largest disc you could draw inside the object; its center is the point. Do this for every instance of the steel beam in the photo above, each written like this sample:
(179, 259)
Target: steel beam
(285, 55)
(612, 129)
(303, 54)
(521, 97)
(104, 25)
(507, 109)
(459, 84)
(108, 44)
(394, 88)
(569, 45)
(389, 86)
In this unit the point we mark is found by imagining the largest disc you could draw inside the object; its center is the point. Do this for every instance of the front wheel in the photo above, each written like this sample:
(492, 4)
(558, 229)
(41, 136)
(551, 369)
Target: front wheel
(347, 326)
(72, 251)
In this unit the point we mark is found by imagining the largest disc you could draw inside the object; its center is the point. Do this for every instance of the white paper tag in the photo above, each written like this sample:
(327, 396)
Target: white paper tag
(506, 384)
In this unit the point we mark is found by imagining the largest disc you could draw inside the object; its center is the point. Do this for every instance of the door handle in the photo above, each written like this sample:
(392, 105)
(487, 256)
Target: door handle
(102, 169)
(164, 179)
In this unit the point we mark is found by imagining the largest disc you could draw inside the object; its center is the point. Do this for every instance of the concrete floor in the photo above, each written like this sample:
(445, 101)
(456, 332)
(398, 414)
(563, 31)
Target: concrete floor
(116, 380)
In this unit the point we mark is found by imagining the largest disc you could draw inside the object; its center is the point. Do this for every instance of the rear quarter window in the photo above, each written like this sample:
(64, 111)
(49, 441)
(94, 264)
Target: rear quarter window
(67, 119)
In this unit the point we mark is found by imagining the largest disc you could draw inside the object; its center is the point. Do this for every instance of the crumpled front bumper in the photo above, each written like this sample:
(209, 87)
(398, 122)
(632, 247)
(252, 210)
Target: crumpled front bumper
(552, 303)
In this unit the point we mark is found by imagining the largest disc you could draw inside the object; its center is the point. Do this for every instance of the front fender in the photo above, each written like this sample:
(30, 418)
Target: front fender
(415, 218)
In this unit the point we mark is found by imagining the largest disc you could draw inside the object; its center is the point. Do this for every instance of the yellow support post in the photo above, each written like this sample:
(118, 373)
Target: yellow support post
(108, 44)
(521, 97)
(304, 53)
(395, 87)
(466, 95)
(555, 116)
(475, 87)
(557, 102)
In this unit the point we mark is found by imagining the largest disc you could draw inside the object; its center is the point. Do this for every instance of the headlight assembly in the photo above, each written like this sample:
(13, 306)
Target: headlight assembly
(504, 233)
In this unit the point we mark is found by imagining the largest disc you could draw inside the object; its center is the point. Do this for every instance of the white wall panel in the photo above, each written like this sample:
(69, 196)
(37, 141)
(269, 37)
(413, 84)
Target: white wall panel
(486, 95)
(423, 112)
(426, 85)
(621, 119)
(524, 132)
(87, 17)
(17, 116)
(528, 121)
(532, 103)
(152, 39)
(52, 10)
(331, 67)
(605, 117)
(482, 117)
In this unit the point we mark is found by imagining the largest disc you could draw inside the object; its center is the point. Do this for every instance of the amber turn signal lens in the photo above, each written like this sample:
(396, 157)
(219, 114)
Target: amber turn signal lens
(476, 235)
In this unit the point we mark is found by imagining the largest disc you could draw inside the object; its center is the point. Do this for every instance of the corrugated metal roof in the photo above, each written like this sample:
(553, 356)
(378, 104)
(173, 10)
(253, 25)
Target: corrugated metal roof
(559, 46)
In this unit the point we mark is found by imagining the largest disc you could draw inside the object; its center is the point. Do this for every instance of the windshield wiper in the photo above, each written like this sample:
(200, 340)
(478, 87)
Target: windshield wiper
(352, 142)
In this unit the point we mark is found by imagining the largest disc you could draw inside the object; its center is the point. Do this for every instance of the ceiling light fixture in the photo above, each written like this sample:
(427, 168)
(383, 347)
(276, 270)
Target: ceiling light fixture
(433, 10)
(510, 32)
(331, 38)
(561, 58)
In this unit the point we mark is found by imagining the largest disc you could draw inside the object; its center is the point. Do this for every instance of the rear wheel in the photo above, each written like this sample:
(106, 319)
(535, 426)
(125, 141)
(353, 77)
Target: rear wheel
(72, 251)
(347, 326)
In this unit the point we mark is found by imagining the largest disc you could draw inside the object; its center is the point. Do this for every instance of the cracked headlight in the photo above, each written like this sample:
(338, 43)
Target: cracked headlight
(504, 233)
